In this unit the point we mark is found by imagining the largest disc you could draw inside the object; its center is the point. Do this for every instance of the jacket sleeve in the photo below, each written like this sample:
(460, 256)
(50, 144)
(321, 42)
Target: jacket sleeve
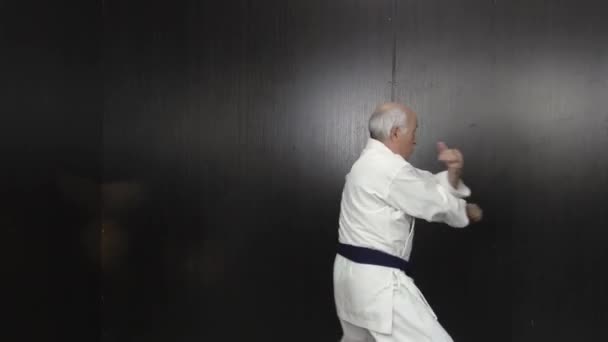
(422, 195)
(462, 191)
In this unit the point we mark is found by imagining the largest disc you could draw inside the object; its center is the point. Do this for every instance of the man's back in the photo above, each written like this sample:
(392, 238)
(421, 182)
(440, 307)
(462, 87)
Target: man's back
(366, 217)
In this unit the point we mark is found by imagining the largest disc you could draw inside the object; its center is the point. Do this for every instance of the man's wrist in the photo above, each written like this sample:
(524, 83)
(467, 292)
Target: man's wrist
(454, 176)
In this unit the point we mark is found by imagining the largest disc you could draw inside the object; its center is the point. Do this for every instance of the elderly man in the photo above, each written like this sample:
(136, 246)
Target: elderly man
(376, 300)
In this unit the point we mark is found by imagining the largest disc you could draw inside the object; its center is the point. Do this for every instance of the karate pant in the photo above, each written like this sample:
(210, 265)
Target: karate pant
(408, 326)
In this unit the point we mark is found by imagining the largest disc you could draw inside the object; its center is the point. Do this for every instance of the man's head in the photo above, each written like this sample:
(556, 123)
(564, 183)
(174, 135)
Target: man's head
(394, 125)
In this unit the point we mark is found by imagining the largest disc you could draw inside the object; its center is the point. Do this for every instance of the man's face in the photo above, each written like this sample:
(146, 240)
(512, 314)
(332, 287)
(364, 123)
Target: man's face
(407, 137)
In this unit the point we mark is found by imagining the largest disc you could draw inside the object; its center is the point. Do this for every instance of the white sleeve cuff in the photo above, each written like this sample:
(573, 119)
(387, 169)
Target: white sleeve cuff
(462, 191)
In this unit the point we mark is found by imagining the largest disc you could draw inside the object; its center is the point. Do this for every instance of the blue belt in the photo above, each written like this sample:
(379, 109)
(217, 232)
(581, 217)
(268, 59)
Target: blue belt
(369, 256)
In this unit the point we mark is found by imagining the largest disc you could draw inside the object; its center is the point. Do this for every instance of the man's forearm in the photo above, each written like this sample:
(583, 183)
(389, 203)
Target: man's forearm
(454, 162)
(454, 176)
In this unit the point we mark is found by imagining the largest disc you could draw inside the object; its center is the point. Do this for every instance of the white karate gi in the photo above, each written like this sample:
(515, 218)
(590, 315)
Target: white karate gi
(382, 196)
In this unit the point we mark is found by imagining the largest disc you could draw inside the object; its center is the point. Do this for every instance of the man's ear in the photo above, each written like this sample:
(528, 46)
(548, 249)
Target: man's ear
(394, 133)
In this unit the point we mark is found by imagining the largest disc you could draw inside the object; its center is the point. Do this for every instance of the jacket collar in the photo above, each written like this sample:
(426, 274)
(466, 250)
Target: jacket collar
(377, 145)
(373, 144)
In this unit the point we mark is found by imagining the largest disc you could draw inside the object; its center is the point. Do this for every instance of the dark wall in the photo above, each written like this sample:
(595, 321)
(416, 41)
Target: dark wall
(235, 122)
(50, 142)
(520, 87)
(172, 170)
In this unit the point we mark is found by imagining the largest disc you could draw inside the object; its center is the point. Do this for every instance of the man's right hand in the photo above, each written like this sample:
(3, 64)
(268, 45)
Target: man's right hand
(474, 212)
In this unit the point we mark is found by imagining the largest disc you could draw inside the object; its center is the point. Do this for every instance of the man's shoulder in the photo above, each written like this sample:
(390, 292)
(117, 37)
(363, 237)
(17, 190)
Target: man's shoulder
(373, 164)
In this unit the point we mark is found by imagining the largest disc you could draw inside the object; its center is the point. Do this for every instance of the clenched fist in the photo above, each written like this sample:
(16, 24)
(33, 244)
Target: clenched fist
(453, 161)
(474, 212)
(450, 156)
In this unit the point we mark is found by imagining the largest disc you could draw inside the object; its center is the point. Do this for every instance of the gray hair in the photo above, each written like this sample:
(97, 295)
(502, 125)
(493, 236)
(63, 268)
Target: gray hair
(383, 121)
